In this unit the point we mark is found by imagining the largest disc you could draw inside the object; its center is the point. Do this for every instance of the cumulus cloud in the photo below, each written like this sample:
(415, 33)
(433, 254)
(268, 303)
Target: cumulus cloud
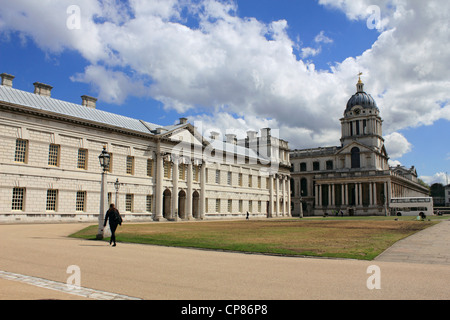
(397, 145)
(245, 71)
(440, 177)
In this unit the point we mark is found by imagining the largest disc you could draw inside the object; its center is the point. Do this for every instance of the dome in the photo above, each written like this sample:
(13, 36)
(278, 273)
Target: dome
(361, 98)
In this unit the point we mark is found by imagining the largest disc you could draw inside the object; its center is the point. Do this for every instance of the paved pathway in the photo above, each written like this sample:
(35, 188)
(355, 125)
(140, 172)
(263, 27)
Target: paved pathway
(431, 246)
(34, 261)
(63, 288)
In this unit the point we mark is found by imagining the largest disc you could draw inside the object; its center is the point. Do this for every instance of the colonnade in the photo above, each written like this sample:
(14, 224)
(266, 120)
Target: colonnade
(358, 194)
(189, 201)
(279, 204)
(173, 203)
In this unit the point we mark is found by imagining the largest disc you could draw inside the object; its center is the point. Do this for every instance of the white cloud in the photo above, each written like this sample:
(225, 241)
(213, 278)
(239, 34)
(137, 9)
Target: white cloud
(310, 52)
(247, 68)
(113, 86)
(397, 145)
(322, 38)
(440, 177)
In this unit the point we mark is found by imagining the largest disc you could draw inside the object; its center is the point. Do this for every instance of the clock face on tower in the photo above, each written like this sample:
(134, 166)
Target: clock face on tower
(357, 111)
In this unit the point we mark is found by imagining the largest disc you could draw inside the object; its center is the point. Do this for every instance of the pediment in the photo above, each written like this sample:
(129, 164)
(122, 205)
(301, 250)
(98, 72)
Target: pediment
(184, 134)
(348, 148)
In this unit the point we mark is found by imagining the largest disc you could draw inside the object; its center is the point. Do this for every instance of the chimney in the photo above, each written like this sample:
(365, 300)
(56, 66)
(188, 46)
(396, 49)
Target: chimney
(251, 135)
(231, 138)
(89, 102)
(266, 133)
(183, 120)
(214, 135)
(42, 89)
(7, 80)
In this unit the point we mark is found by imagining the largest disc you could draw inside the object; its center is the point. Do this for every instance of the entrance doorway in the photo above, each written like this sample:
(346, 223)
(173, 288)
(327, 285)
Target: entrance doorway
(182, 204)
(196, 205)
(167, 201)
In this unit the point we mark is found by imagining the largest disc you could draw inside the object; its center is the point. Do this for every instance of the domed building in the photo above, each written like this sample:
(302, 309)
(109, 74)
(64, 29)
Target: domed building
(353, 178)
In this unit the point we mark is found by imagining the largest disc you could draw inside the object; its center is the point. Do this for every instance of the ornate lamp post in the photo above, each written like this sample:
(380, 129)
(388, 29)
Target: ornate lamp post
(104, 159)
(301, 204)
(117, 187)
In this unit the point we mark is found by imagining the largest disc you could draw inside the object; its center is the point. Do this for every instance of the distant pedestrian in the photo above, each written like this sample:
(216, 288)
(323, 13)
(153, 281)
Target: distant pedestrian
(114, 220)
(248, 215)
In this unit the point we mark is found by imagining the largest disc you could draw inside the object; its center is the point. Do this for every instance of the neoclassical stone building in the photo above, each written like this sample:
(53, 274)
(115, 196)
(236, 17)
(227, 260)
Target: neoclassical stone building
(354, 178)
(50, 171)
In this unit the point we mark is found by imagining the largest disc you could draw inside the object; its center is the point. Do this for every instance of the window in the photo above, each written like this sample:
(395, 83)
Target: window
(18, 197)
(52, 196)
(217, 205)
(80, 205)
(21, 151)
(230, 205)
(303, 166)
(196, 173)
(149, 203)
(329, 165)
(250, 206)
(316, 166)
(240, 205)
(259, 182)
(229, 178)
(149, 167)
(167, 169)
(53, 155)
(240, 179)
(110, 166)
(129, 202)
(356, 158)
(218, 176)
(304, 187)
(182, 172)
(130, 165)
(259, 206)
(82, 159)
(250, 182)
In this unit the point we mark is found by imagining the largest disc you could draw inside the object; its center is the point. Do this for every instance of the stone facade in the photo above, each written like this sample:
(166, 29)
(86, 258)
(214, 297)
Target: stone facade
(354, 178)
(50, 170)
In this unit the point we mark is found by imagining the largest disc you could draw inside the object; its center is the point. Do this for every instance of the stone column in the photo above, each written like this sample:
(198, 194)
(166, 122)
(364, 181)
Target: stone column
(189, 191)
(175, 173)
(289, 213)
(203, 190)
(283, 194)
(159, 172)
(277, 195)
(271, 207)
(317, 195)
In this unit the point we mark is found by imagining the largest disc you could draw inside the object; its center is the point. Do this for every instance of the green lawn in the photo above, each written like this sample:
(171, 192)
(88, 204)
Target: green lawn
(355, 238)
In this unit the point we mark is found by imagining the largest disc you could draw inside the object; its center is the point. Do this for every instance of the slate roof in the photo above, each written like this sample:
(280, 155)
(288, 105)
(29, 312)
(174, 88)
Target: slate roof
(73, 110)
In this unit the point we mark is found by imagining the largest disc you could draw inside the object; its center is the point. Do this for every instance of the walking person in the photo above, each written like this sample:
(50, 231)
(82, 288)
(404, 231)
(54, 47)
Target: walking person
(114, 219)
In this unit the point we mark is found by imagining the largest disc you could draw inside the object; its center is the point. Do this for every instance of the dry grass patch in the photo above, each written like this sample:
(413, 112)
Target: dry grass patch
(356, 239)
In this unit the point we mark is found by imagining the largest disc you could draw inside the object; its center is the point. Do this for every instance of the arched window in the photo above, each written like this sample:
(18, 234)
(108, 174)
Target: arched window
(304, 187)
(356, 158)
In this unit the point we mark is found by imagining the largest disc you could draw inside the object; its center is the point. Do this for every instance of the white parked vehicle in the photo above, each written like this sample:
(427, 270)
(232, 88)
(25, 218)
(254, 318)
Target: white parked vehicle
(413, 206)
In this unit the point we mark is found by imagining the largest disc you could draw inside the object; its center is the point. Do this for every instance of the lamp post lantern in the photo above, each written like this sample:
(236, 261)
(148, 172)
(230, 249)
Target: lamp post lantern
(104, 159)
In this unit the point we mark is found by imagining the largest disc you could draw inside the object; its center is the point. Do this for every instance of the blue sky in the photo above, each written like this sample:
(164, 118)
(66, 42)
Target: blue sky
(246, 64)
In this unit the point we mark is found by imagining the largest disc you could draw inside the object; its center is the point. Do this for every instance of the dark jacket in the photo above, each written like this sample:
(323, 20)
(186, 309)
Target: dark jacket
(114, 217)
